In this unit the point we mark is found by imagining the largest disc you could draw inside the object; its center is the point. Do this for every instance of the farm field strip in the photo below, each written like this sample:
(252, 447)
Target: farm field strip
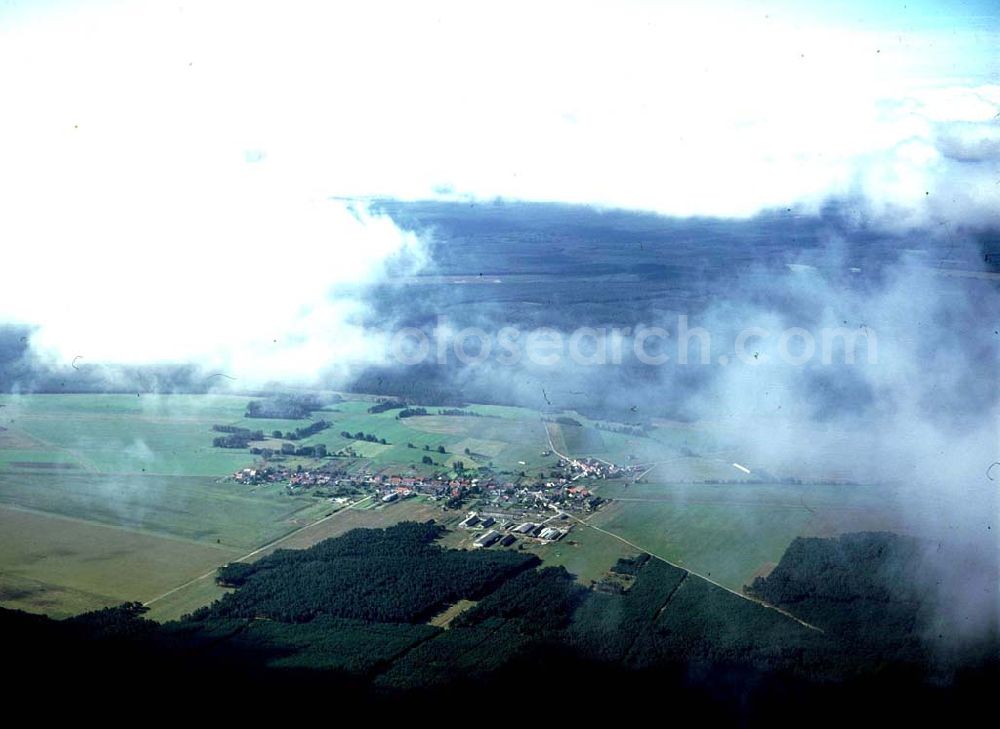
(91, 564)
(190, 507)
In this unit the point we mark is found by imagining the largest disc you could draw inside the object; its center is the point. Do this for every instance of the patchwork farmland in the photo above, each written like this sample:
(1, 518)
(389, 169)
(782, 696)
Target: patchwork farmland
(110, 498)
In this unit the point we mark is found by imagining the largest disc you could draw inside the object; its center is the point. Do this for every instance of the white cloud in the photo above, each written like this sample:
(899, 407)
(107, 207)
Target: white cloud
(158, 161)
(666, 107)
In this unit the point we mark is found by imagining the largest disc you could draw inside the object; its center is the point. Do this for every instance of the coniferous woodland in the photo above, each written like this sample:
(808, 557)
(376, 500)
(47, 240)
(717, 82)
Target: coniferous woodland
(395, 575)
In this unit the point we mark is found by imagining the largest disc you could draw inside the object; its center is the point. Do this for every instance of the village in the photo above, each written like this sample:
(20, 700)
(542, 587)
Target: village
(594, 468)
(503, 507)
(454, 491)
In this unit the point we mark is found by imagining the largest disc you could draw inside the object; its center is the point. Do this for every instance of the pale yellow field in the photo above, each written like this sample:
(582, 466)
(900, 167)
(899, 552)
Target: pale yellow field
(62, 566)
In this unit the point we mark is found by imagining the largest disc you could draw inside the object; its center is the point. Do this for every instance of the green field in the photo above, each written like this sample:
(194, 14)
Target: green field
(503, 436)
(586, 553)
(732, 532)
(150, 434)
(65, 566)
(177, 506)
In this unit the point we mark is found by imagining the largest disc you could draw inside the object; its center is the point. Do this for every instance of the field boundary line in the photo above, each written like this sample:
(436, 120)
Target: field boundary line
(86, 463)
(138, 531)
(730, 590)
(255, 552)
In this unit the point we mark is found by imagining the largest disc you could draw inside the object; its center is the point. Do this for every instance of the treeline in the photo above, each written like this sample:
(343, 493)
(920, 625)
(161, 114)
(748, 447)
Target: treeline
(361, 435)
(300, 433)
(284, 407)
(412, 412)
(417, 412)
(289, 449)
(379, 575)
(635, 431)
(235, 437)
(385, 405)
